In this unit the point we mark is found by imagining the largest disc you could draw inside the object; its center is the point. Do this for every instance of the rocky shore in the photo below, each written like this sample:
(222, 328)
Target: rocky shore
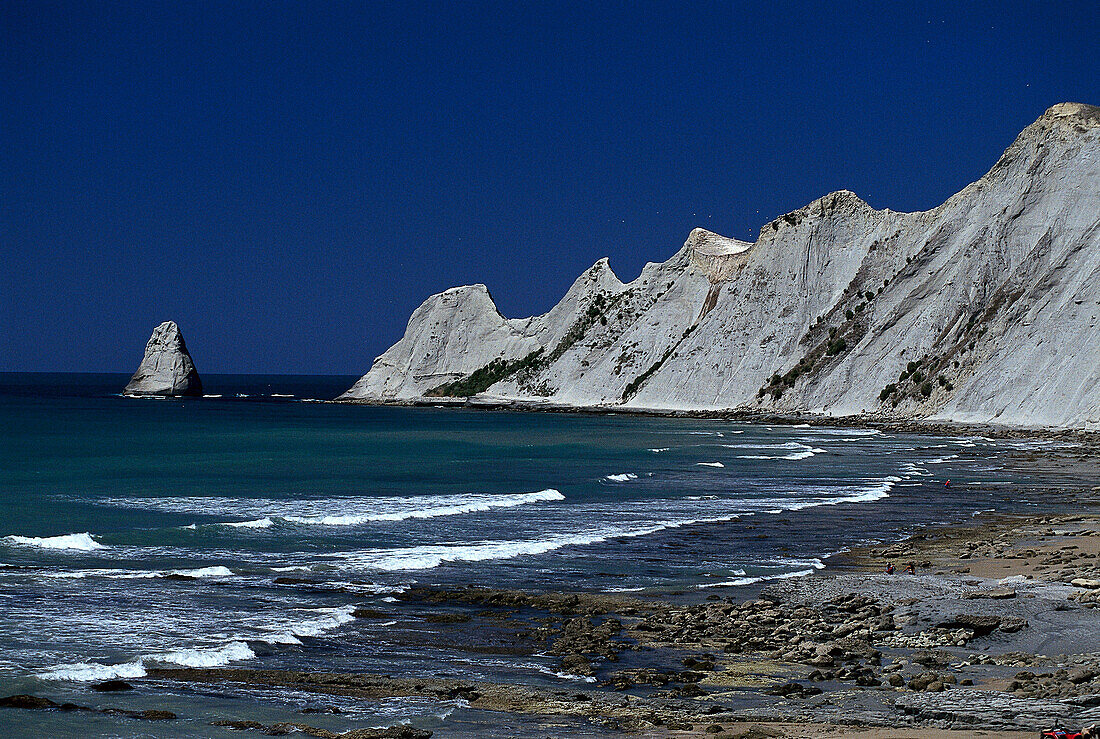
(996, 632)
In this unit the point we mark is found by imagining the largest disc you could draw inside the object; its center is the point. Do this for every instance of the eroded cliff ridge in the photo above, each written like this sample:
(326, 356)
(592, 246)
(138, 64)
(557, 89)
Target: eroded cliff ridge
(983, 309)
(166, 368)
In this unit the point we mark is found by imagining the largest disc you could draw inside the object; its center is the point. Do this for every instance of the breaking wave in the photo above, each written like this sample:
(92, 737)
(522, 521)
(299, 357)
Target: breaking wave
(474, 505)
(429, 556)
(624, 477)
(236, 650)
(799, 451)
(80, 542)
(259, 523)
(352, 511)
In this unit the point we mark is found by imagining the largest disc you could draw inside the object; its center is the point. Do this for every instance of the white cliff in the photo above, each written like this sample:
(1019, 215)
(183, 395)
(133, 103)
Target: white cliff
(983, 309)
(166, 368)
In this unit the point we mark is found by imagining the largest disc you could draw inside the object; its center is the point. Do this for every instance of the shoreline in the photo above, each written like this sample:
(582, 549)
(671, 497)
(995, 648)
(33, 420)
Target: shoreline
(848, 651)
(905, 655)
(997, 634)
(1086, 437)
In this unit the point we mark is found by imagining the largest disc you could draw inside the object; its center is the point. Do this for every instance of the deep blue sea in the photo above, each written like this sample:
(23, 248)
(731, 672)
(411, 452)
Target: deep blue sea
(243, 528)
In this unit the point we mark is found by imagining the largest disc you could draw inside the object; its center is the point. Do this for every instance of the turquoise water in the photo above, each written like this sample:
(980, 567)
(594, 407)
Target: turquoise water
(244, 529)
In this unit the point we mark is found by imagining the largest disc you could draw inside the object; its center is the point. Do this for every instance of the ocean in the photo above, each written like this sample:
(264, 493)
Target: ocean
(244, 528)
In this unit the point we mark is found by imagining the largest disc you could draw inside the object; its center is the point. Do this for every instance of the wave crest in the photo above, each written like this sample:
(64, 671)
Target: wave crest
(80, 542)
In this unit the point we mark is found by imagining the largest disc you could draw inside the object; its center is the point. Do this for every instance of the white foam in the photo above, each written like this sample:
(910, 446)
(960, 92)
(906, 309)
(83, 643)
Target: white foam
(433, 555)
(941, 460)
(208, 657)
(329, 619)
(877, 491)
(912, 469)
(80, 542)
(259, 523)
(569, 676)
(784, 445)
(201, 572)
(751, 580)
(805, 454)
(802, 451)
(114, 574)
(88, 671)
(118, 574)
(475, 505)
(281, 395)
(211, 396)
(351, 511)
(624, 477)
(710, 464)
(660, 449)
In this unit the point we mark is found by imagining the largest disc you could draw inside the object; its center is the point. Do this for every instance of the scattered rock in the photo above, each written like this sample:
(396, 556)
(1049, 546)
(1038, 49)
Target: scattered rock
(110, 686)
(32, 702)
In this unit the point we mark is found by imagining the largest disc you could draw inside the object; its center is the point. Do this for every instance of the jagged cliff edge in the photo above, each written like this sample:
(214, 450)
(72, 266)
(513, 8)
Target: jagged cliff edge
(983, 309)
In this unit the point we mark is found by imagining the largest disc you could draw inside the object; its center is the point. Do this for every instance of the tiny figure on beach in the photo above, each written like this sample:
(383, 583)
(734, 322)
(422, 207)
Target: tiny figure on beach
(889, 568)
(911, 568)
(947, 484)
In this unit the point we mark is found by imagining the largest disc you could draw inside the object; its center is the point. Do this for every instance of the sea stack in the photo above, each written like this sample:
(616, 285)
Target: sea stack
(167, 368)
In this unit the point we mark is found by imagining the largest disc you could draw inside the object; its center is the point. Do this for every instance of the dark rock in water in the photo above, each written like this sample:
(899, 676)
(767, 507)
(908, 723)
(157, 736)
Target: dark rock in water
(239, 725)
(393, 732)
(285, 727)
(167, 368)
(32, 702)
(148, 715)
(795, 690)
(110, 686)
(980, 625)
(447, 618)
(983, 625)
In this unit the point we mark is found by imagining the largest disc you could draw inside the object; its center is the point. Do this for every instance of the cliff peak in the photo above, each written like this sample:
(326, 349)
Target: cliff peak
(1084, 113)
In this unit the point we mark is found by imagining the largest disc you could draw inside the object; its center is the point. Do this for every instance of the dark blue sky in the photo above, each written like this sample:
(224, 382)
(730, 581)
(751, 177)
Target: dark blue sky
(288, 181)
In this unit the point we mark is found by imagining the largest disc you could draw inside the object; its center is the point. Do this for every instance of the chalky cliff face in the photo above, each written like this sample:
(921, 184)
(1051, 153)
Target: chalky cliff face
(166, 368)
(982, 309)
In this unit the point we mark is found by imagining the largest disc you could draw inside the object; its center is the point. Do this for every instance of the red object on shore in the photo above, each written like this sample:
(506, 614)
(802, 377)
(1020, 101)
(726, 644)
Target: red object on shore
(1061, 734)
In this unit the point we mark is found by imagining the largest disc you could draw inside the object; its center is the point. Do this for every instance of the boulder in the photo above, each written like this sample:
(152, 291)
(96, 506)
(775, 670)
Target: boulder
(110, 686)
(166, 369)
(32, 702)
